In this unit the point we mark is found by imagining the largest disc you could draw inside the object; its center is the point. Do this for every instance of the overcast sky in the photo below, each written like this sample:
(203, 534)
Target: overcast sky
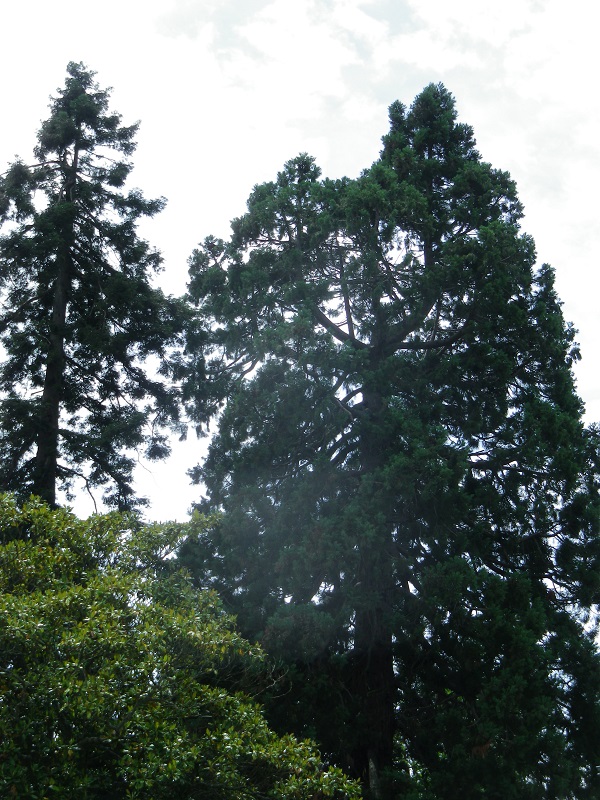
(228, 90)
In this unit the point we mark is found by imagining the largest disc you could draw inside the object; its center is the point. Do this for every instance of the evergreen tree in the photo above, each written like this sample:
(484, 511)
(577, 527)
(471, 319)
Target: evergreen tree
(410, 497)
(79, 314)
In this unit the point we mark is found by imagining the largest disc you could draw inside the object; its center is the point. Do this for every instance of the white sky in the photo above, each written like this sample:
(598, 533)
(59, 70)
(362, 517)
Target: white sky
(228, 90)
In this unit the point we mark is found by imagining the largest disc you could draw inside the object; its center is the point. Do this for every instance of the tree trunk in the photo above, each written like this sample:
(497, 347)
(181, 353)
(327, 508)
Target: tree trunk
(374, 684)
(46, 459)
(374, 676)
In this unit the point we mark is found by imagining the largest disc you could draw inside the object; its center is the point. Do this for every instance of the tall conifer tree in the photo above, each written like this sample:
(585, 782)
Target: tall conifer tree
(410, 497)
(79, 315)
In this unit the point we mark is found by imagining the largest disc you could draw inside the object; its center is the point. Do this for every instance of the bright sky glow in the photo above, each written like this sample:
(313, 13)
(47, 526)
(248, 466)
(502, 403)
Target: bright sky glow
(228, 90)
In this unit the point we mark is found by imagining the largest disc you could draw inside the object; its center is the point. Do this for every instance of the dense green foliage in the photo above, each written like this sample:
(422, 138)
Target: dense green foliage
(410, 497)
(118, 680)
(78, 314)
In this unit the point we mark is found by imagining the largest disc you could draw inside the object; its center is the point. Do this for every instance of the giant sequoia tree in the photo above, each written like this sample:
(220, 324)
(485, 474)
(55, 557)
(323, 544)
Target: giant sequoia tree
(79, 314)
(410, 495)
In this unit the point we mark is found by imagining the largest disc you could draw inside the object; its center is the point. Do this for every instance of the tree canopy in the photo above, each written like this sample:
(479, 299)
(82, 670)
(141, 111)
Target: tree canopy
(78, 314)
(410, 496)
(118, 679)
(402, 498)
